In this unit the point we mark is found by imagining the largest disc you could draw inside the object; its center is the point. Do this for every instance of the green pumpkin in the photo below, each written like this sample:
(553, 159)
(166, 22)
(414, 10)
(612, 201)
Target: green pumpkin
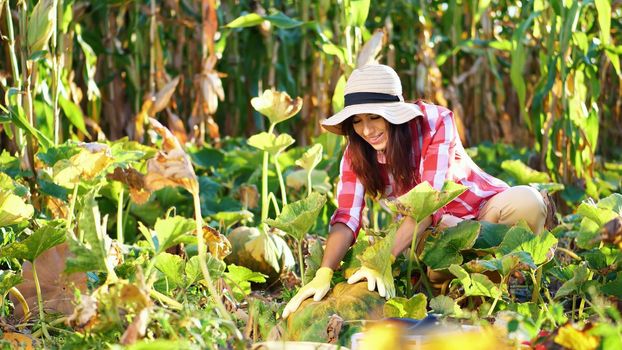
(250, 248)
(349, 301)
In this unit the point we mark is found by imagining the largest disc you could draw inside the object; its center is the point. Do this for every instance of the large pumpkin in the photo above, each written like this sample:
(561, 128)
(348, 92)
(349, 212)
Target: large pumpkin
(349, 301)
(250, 248)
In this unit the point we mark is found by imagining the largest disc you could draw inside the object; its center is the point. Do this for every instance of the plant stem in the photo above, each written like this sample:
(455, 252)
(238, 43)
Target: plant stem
(414, 257)
(120, 218)
(174, 304)
(272, 198)
(570, 253)
(56, 71)
(309, 183)
(39, 298)
(23, 27)
(300, 261)
(203, 257)
(72, 206)
(264, 181)
(20, 298)
(537, 281)
(17, 78)
(280, 176)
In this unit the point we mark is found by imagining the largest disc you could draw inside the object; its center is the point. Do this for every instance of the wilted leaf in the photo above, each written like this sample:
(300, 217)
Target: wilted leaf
(540, 247)
(335, 323)
(84, 315)
(415, 307)
(137, 328)
(612, 232)
(135, 182)
(523, 174)
(573, 285)
(171, 166)
(475, 284)
(44, 238)
(13, 209)
(444, 249)
(574, 339)
(217, 244)
(369, 52)
(19, 340)
(41, 25)
(92, 159)
(241, 279)
(311, 158)
(163, 97)
(276, 105)
(423, 200)
(271, 143)
(297, 218)
(56, 286)
(249, 196)
(445, 306)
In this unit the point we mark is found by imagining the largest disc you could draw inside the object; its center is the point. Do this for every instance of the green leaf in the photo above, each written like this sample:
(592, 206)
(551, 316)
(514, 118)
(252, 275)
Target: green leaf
(415, 307)
(445, 306)
(298, 217)
(612, 202)
(573, 286)
(173, 231)
(172, 266)
(311, 158)
(279, 19)
(90, 255)
(475, 284)
(504, 265)
(13, 209)
(320, 182)
(207, 157)
(248, 20)
(523, 174)
(614, 287)
(359, 9)
(600, 216)
(423, 200)
(377, 257)
(41, 24)
(8, 280)
(540, 247)
(73, 114)
(241, 279)
(215, 267)
(232, 217)
(491, 235)
(271, 143)
(444, 249)
(332, 49)
(44, 238)
(313, 260)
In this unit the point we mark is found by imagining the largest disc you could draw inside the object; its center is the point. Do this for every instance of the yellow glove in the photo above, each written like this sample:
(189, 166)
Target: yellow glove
(375, 277)
(318, 287)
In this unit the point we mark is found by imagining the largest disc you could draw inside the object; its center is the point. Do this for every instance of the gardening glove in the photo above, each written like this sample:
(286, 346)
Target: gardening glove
(374, 277)
(318, 287)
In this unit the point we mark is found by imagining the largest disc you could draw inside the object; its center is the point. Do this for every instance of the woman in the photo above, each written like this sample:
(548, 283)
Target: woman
(393, 146)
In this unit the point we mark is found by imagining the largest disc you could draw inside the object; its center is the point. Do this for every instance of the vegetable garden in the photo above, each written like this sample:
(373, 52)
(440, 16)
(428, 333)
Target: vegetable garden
(165, 183)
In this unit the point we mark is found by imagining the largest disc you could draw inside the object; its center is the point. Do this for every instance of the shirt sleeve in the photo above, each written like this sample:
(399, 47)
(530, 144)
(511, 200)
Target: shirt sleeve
(350, 197)
(436, 162)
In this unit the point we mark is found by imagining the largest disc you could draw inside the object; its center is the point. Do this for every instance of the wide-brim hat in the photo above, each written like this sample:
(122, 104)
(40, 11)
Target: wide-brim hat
(374, 89)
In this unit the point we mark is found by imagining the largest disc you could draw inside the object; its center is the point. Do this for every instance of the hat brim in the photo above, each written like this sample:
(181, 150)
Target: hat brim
(393, 112)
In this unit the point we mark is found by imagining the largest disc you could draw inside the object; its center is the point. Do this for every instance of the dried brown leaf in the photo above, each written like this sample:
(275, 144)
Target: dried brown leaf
(218, 245)
(137, 328)
(335, 322)
(163, 97)
(249, 196)
(19, 340)
(84, 316)
(369, 52)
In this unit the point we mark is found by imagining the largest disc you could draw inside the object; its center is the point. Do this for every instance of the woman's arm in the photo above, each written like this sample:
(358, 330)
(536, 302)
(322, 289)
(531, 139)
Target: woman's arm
(404, 234)
(339, 241)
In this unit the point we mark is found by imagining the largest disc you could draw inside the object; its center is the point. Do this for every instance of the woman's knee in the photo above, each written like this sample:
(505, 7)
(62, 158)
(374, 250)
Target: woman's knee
(528, 205)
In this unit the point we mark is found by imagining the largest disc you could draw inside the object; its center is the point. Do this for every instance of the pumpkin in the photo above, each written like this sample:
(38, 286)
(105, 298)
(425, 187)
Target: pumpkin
(349, 301)
(261, 252)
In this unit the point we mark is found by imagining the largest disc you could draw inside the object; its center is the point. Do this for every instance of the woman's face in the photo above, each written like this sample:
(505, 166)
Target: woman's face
(372, 128)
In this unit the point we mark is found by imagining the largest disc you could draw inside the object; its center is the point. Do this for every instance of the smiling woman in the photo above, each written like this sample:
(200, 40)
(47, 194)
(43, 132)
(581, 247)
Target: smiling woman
(392, 146)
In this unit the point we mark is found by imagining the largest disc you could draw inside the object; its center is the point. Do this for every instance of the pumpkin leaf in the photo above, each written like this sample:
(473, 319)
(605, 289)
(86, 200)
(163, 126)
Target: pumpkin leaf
(241, 278)
(193, 272)
(271, 143)
(423, 200)
(597, 214)
(173, 231)
(541, 247)
(313, 260)
(377, 257)
(8, 280)
(13, 209)
(612, 202)
(573, 285)
(320, 182)
(351, 263)
(87, 164)
(523, 174)
(172, 266)
(311, 158)
(475, 284)
(610, 288)
(445, 306)
(490, 235)
(229, 218)
(277, 106)
(504, 265)
(297, 218)
(443, 250)
(44, 238)
(415, 307)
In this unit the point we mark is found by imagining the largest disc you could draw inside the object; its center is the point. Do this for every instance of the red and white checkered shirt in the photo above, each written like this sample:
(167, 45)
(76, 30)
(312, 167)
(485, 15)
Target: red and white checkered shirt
(438, 156)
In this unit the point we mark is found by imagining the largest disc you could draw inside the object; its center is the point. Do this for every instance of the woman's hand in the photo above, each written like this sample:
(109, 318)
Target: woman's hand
(376, 278)
(318, 287)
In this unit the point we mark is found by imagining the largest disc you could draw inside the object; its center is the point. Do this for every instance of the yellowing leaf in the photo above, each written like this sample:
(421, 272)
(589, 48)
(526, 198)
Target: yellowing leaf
(271, 143)
(573, 339)
(41, 25)
(218, 245)
(19, 341)
(13, 209)
(276, 105)
(423, 200)
(311, 158)
(92, 159)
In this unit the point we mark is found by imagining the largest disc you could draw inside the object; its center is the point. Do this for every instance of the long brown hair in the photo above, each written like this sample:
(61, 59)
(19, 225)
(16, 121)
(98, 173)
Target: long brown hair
(398, 153)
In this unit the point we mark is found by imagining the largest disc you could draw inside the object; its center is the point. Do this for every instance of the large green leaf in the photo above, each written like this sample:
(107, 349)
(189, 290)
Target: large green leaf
(271, 143)
(444, 305)
(523, 174)
(8, 280)
(612, 202)
(44, 238)
(172, 266)
(359, 9)
(279, 19)
(173, 231)
(572, 286)
(74, 114)
(475, 284)
(614, 287)
(298, 217)
(491, 235)
(423, 200)
(519, 238)
(415, 307)
(597, 213)
(378, 257)
(444, 249)
(13, 209)
(215, 267)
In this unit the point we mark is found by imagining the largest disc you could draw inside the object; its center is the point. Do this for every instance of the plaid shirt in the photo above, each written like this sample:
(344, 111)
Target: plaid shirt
(438, 156)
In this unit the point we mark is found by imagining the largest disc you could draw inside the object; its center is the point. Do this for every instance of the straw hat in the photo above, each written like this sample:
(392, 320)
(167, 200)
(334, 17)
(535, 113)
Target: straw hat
(374, 89)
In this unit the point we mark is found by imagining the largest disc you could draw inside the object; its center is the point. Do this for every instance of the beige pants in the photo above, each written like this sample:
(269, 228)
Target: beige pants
(508, 207)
